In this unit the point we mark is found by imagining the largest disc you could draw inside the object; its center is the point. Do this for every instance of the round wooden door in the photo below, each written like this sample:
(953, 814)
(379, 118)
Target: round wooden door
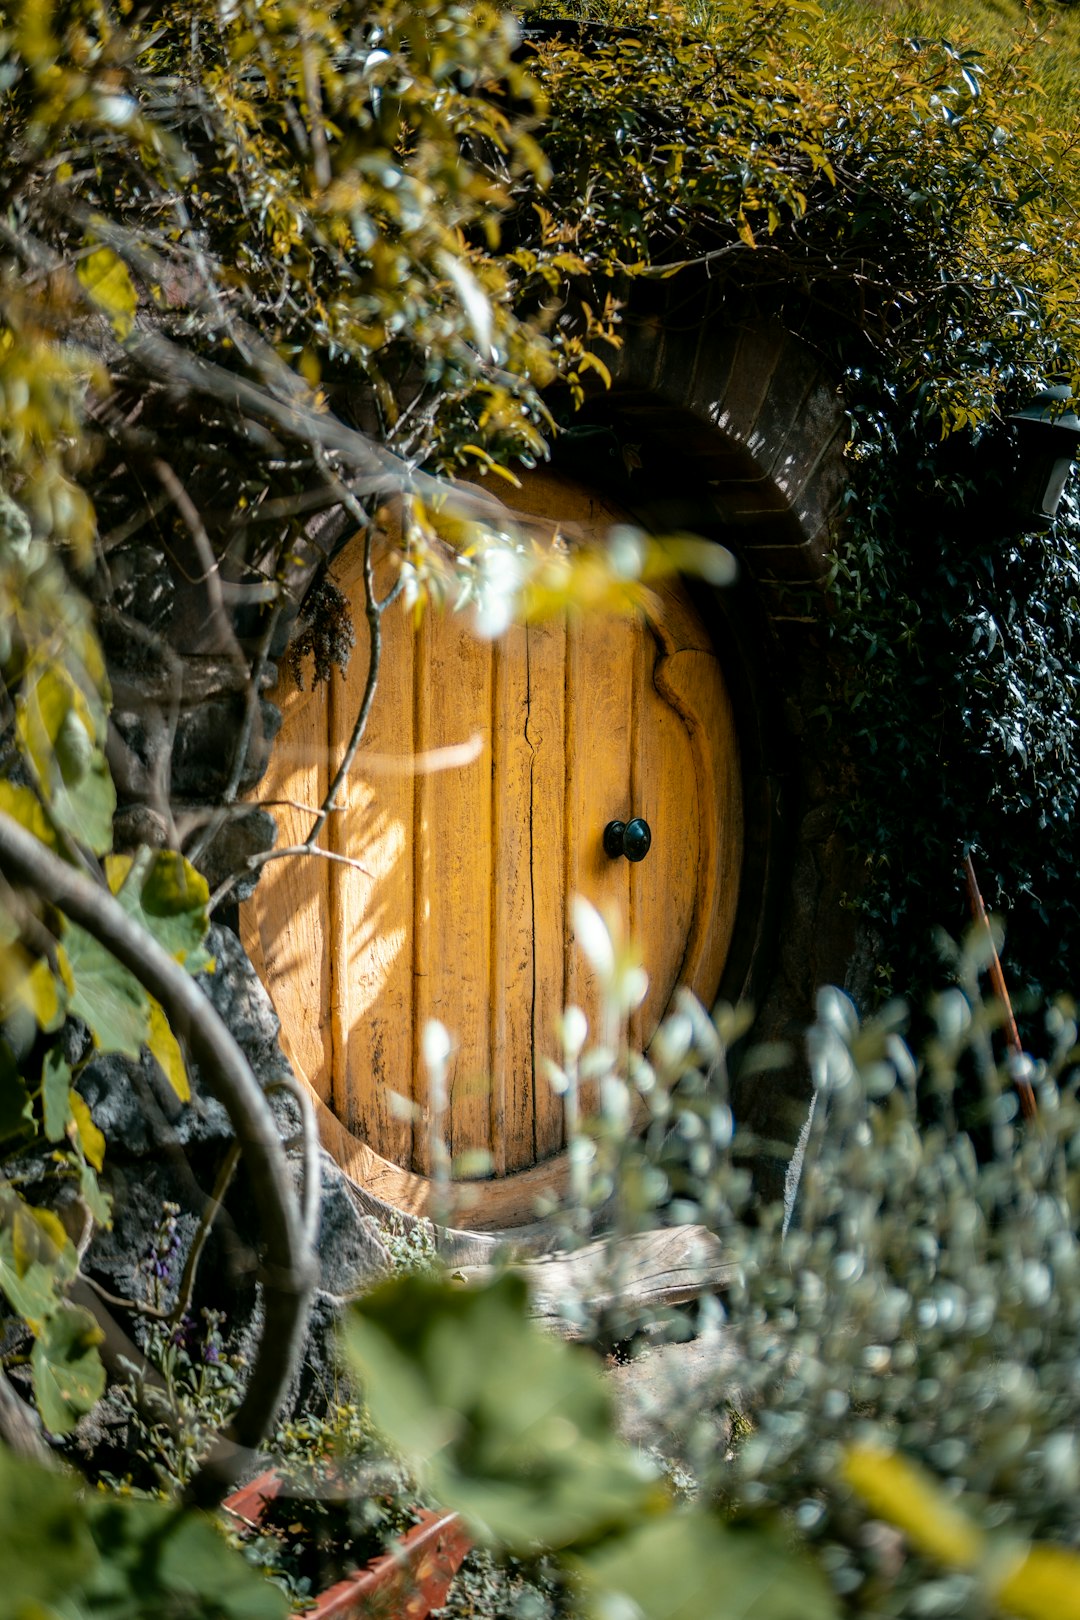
(474, 813)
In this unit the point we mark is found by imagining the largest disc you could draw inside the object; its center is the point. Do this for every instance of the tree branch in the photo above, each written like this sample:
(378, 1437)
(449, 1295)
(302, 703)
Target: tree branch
(289, 1268)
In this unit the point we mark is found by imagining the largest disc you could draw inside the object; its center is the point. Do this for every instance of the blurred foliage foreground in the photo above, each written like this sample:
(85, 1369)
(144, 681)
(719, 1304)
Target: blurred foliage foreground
(901, 1363)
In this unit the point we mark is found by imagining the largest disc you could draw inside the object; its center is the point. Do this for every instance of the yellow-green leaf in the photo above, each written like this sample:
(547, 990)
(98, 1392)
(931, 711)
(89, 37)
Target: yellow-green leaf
(1043, 1585)
(106, 996)
(61, 737)
(69, 1378)
(30, 983)
(895, 1490)
(166, 1049)
(23, 805)
(36, 1234)
(55, 1086)
(108, 283)
(97, 1202)
(164, 894)
(91, 1140)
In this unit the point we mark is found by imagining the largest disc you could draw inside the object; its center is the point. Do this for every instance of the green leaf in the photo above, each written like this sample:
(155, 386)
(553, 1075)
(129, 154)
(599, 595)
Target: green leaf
(164, 893)
(33, 1294)
(55, 1086)
(62, 738)
(36, 1234)
(23, 805)
(514, 1429)
(68, 1375)
(108, 282)
(106, 996)
(690, 1565)
(46, 1549)
(30, 983)
(16, 1105)
(91, 1139)
(173, 1562)
(166, 1049)
(98, 1203)
(37, 1260)
(95, 1554)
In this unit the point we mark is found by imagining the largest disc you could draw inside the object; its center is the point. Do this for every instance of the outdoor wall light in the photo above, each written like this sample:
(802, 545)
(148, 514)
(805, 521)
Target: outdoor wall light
(1046, 437)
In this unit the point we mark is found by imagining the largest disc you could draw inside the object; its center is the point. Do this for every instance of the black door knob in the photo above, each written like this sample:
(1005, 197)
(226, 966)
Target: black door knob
(629, 838)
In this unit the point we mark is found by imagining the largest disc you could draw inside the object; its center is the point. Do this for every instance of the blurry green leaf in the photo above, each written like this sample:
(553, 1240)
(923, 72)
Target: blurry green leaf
(512, 1428)
(98, 1203)
(55, 1085)
(166, 895)
(899, 1491)
(685, 554)
(166, 1049)
(474, 300)
(33, 1293)
(690, 1565)
(29, 982)
(46, 1550)
(108, 282)
(91, 1139)
(16, 1104)
(37, 1233)
(23, 805)
(68, 1375)
(106, 996)
(105, 1557)
(37, 1259)
(62, 739)
(158, 1559)
(1044, 1584)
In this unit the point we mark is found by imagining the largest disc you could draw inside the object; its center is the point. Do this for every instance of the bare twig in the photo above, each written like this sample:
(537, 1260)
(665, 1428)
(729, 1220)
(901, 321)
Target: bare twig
(309, 1143)
(211, 576)
(374, 619)
(254, 863)
(373, 610)
(198, 1242)
(139, 1307)
(243, 742)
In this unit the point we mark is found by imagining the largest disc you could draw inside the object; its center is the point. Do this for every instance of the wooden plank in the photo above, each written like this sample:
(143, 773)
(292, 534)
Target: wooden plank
(371, 913)
(693, 684)
(287, 913)
(512, 973)
(599, 686)
(546, 735)
(663, 886)
(452, 901)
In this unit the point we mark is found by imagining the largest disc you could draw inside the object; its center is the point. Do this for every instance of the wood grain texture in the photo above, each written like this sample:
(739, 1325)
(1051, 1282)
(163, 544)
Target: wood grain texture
(693, 684)
(283, 925)
(512, 1134)
(664, 886)
(600, 673)
(373, 912)
(462, 912)
(547, 739)
(452, 905)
